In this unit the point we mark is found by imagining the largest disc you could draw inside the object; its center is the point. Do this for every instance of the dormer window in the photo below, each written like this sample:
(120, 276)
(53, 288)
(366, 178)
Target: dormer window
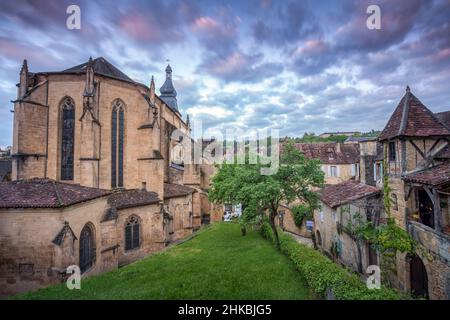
(392, 151)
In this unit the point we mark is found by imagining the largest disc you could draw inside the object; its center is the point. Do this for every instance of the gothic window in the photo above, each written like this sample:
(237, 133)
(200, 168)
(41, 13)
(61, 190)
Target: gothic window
(132, 233)
(87, 248)
(117, 144)
(67, 138)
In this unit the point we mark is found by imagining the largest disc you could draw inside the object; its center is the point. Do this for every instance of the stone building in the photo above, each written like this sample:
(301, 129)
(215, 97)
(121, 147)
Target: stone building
(343, 206)
(91, 129)
(340, 162)
(414, 146)
(416, 143)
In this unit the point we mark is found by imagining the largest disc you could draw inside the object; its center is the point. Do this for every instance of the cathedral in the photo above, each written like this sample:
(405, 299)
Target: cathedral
(96, 181)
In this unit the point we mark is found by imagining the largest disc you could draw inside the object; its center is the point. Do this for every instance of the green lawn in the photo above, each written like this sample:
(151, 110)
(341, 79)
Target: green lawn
(218, 263)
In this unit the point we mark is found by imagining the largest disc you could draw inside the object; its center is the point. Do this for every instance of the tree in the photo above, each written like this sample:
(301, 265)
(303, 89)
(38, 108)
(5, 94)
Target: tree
(295, 181)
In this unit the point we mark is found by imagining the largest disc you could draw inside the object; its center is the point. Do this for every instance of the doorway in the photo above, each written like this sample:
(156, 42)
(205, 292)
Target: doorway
(419, 278)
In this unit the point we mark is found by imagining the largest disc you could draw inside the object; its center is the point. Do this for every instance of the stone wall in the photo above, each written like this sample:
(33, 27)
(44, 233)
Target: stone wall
(31, 260)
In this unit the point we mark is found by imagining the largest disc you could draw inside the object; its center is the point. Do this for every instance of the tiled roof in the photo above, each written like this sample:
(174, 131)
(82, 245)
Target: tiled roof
(45, 193)
(444, 117)
(360, 139)
(132, 198)
(434, 176)
(5, 168)
(411, 118)
(103, 67)
(172, 190)
(345, 192)
(329, 153)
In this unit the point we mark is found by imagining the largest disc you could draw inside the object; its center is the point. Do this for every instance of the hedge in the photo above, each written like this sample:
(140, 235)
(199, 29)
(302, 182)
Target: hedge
(322, 274)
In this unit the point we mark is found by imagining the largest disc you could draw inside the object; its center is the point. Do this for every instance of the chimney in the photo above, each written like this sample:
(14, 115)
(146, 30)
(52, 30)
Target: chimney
(338, 147)
(23, 85)
(144, 186)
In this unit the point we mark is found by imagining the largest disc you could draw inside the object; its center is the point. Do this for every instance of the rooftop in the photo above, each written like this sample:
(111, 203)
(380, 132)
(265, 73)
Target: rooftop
(434, 176)
(100, 66)
(45, 193)
(132, 198)
(172, 190)
(330, 153)
(411, 118)
(345, 192)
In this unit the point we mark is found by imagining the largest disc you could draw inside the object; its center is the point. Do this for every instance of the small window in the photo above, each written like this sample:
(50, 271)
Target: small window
(394, 201)
(333, 171)
(378, 171)
(392, 151)
(132, 233)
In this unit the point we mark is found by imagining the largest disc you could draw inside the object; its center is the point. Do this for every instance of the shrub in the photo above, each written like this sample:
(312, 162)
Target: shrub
(322, 274)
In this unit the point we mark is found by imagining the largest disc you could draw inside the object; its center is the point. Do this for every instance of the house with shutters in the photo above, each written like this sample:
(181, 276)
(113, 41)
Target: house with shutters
(340, 162)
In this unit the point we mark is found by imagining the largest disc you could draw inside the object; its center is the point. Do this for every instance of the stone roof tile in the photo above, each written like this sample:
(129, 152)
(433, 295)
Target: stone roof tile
(45, 193)
(345, 192)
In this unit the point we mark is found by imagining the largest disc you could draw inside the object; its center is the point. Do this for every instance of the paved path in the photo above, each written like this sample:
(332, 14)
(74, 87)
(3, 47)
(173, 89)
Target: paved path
(300, 239)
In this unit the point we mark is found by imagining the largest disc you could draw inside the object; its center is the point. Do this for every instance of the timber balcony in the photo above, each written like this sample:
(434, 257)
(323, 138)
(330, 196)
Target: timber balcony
(428, 215)
(427, 194)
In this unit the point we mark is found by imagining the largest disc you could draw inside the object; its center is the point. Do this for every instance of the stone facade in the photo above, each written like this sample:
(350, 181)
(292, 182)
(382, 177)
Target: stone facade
(110, 110)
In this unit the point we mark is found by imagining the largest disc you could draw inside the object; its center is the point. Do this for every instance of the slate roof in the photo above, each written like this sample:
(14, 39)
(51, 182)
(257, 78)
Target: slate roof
(101, 66)
(168, 92)
(172, 190)
(411, 118)
(360, 139)
(434, 176)
(345, 192)
(328, 153)
(444, 118)
(5, 169)
(132, 198)
(45, 193)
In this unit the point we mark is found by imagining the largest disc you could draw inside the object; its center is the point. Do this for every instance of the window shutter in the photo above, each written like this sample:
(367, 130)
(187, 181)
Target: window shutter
(353, 170)
(375, 171)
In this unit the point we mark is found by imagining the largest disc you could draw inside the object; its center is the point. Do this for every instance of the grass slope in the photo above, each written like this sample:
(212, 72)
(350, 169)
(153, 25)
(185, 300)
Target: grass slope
(218, 263)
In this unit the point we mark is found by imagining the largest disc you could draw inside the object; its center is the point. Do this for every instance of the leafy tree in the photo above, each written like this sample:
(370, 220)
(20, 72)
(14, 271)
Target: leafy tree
(295, 181)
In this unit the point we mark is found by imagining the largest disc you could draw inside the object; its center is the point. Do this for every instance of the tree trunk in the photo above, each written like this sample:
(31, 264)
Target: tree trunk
(243, 230)
(272, 216)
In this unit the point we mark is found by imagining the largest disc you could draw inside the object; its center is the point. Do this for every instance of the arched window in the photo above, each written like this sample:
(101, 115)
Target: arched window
(132, 233)
(117, 147)
(67, 138)
(87, 247)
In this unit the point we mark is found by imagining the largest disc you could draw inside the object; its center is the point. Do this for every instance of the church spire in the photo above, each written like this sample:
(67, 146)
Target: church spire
(152, 91)
(168, 92)
(23, 85)
(89, 86)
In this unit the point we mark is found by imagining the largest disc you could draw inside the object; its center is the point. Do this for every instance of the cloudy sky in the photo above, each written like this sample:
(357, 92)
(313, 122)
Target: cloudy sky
(292, 65)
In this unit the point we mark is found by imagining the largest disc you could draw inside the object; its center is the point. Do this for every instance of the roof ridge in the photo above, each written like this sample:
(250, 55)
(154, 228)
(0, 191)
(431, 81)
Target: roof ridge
(405, 113)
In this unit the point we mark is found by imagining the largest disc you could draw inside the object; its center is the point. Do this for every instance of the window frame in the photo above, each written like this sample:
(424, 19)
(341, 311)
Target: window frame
(133, 223)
